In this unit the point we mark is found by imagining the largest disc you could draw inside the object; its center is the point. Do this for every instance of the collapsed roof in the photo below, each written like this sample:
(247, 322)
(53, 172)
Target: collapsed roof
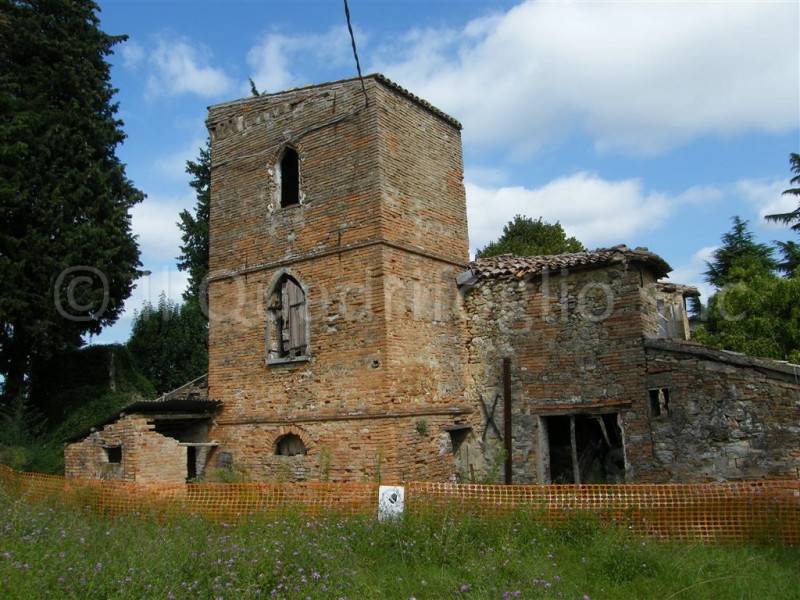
(190, 398)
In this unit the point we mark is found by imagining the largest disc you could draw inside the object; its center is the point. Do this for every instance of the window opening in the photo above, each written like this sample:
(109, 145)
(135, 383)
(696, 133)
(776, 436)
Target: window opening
(659, 402)
(290, 445)
(290, 178)
(113, 454)
(670, 320)
(191, 463)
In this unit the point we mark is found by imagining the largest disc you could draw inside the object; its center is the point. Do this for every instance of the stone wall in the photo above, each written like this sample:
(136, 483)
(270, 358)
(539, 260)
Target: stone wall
(575, 343)
(376, 241)
(729, 417)
(146, 455)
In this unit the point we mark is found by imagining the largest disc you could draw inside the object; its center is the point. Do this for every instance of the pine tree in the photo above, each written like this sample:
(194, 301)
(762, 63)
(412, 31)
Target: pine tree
(525, 237)
(738, 247)
(64, 195)
(793, 217)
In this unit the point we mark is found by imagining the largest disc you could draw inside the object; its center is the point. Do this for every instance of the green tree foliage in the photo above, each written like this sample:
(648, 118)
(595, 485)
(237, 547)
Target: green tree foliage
(169, 343)
(757, 313)
(793, 217)
(524, 236)
(790, 258)
(194, 227)
(64, 195)
(738, 247)
(79, 388)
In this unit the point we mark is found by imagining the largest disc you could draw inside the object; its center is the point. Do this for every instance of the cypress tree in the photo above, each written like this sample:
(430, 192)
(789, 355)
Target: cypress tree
(194, 227)
(64, 195)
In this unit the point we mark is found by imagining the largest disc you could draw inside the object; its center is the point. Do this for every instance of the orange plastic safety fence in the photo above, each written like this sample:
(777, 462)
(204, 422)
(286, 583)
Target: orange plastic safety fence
(762, 511)
(758, 511)
(215, 500)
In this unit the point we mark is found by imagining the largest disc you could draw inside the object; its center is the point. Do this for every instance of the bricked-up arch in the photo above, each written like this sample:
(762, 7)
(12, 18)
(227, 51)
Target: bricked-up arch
(287, 320)
(290, 177)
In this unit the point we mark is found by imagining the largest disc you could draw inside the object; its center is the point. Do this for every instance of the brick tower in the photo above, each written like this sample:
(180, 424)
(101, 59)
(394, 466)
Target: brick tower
(338, 226)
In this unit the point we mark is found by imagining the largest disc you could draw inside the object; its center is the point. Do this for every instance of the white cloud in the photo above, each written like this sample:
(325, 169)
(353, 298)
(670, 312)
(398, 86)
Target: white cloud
(149, 288)
(768, 199)
(132, 54)
(595, 210)
(691, 273)
(640, 77)
(178, 67)
(274, 61)
(155, 221)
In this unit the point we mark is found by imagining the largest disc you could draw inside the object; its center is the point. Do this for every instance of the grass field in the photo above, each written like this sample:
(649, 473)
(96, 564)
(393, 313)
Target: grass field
(61, 552)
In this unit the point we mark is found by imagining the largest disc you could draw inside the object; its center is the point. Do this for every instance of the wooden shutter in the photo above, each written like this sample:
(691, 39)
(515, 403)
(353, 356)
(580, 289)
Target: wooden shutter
(297, 316)
(285, 346)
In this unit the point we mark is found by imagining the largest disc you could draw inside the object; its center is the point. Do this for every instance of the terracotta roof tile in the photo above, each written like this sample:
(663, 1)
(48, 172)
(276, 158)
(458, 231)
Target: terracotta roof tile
(509, 266)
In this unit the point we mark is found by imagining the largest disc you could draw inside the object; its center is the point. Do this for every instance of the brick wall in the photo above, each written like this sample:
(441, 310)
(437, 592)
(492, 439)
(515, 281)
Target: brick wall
(146, 455)
(376, 241)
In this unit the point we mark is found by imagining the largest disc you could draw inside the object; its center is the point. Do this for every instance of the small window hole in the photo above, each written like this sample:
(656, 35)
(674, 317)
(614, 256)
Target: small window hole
(113, 454)
(659, 402)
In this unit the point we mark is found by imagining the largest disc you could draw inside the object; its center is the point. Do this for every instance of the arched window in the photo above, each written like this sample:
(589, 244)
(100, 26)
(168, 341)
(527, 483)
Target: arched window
(290, 445)
(290, 177)
(287, 327)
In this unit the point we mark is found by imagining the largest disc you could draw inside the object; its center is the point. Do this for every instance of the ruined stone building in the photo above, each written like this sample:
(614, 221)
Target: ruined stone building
(352, 339)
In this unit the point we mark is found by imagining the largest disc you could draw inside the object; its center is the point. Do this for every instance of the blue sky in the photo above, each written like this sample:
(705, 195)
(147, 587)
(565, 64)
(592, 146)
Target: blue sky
(649, 124)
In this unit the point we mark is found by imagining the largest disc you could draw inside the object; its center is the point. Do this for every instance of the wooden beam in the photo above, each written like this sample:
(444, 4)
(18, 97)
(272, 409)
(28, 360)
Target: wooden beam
(175, 416)
(199, 444)
(576, 468)
(603, 429)
(507, 435)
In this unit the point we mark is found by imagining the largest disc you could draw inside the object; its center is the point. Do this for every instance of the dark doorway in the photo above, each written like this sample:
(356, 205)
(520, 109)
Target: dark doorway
(585, 449)
(191, 463)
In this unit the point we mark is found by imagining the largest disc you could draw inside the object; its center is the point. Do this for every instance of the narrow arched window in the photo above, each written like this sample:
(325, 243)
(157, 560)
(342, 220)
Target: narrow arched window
(290, 177)
(287, 329)
(290, 445)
